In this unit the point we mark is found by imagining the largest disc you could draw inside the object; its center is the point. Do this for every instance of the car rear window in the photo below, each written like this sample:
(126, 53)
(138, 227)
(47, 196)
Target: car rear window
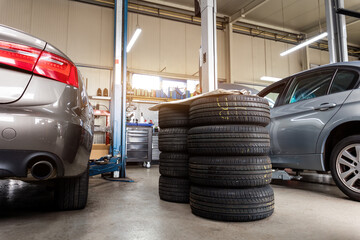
(344, 80)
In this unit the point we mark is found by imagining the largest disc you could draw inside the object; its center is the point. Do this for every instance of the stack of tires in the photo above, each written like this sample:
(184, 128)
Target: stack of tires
(229, 167)
(174, 184)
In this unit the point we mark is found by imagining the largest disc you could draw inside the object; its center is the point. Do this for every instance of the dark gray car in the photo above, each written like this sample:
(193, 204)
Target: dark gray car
(46, 121)
(315, 123)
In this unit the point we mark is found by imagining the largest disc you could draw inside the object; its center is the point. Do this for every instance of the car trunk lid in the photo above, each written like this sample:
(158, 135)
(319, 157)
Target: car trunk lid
(18, 55)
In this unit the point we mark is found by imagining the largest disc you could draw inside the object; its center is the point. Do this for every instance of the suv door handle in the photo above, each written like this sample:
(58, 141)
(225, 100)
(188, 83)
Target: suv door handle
(325, 106)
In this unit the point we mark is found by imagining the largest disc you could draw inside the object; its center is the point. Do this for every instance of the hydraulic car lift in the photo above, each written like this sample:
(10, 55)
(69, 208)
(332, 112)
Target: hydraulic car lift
(116, 161)
(283, 175)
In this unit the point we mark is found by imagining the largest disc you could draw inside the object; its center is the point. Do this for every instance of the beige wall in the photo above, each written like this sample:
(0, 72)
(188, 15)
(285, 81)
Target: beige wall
(169, 46)
(85, 33)
(174, 48)
(319, 57)
(82, 31)
(257, 57)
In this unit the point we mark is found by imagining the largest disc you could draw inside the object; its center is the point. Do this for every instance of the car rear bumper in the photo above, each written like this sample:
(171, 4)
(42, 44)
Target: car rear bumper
(29, 138)
(15, 163)
(55, 131)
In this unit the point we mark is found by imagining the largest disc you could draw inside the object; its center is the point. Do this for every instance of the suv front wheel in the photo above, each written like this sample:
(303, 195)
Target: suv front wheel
(345, 166)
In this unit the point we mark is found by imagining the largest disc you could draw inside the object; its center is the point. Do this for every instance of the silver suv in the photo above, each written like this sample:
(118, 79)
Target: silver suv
(315, 123)
(46, 121)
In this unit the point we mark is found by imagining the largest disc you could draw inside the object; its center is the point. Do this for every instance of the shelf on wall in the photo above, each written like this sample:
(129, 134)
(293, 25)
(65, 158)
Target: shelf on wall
(137, 99)
(100, 98)
(149, 99)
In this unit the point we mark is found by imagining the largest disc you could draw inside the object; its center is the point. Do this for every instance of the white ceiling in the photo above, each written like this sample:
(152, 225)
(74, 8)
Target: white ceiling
(297, 15)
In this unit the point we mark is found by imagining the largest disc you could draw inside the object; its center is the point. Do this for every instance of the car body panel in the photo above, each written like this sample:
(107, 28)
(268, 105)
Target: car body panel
(299, 132)
(41, 91)
(349, 112)
(293, 126)
(13, 83)
(305, 161)
(13, 35)
(49, 119)
(49, 124)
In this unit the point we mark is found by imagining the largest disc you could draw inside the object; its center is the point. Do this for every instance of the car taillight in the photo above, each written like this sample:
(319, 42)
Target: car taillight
(18, 55)
(55, 67)
(40, 62)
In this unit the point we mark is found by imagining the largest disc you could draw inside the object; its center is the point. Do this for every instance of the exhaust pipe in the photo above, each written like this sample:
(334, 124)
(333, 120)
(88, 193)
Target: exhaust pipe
(42, 170)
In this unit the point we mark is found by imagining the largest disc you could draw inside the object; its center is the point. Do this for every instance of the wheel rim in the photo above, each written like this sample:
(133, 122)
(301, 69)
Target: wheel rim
(348, 167)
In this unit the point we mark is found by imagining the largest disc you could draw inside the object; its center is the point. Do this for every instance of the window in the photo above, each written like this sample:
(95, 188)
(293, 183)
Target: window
(344, 80)
(172, 84)
(167, 85)
(273, 94)
(146, 82)
(309, 86)
(191, 85)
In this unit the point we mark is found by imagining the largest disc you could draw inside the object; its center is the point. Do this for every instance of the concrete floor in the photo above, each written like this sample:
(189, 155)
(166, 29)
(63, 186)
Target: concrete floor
(118, 210)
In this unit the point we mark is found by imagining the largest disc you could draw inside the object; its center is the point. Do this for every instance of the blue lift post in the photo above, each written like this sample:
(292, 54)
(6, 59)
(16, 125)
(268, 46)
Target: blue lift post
(117, 160)
(123, 106)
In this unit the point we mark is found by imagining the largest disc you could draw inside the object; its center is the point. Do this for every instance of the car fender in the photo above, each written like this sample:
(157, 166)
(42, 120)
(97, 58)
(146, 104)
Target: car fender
(330, 126)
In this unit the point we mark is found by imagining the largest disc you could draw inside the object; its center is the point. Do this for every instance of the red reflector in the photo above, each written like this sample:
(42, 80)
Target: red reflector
(55, 67)
(19, 56)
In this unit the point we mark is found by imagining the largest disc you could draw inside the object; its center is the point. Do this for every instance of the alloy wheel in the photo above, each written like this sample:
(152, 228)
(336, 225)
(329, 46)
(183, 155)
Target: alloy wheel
(348, 167)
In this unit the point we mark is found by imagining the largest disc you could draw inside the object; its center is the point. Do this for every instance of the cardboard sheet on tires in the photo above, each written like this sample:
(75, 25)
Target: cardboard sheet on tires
(188, 101)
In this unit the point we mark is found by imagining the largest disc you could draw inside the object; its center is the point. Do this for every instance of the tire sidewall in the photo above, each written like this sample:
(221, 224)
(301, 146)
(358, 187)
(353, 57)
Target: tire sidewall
(333, 160)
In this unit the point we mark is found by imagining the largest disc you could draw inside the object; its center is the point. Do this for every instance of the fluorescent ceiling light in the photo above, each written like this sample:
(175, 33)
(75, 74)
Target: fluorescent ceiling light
(270, 79)
(301, 45)
(133, 39)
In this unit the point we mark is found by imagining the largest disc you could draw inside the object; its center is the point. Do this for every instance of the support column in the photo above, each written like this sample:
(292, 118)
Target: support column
(209, 80)
(336, 28)
(228, 57)
(116, 85)
(123, 95)
(118, 103)
(304, 54)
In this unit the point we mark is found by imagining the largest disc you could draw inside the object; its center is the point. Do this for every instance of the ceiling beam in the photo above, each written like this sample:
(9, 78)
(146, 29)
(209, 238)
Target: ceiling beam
(168, 4)
(246, 10)
(268, 26)
(102, 3)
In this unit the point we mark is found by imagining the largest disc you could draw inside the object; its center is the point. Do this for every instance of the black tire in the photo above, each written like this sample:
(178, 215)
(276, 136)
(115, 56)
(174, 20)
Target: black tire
(174, 189)
(236, 205)
(230, 109)
(174, 165)
(346, 165)
(72, 193)
(228, 140)
(230, 171)
(173, 140)
(174, 116)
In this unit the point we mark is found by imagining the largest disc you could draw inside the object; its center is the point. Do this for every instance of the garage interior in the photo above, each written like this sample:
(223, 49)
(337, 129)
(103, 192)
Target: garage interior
(162, 66)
